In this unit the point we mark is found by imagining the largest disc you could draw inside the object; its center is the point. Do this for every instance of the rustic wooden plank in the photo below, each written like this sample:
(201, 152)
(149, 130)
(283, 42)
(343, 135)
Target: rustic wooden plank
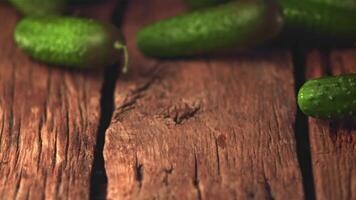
(48, 118)
(333, 144)
(206, 128)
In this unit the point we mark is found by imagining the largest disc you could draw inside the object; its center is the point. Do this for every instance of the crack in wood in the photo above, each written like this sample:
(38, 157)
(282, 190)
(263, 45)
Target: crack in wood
(55, 153)
(268, 190)
(11, 117)
(18, 185)
(182, 112)
(40, 125)
(167, 172)
(98, 185)
(301, 127)
(217, 156)
(59, 178)
(135, 95)
(49, 85)
(139, 170)
(44, 185)
(17, 135)
(196, 178)
(129, 104)
(66, 148)
(2, 129)
(28, 192)
(99, 176)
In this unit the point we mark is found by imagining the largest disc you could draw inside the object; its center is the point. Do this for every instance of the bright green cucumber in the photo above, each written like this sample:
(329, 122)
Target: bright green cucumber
(239, 24)
(194, 4)
(70, 41)
(329, 97)
(39, 7)
(320, 19)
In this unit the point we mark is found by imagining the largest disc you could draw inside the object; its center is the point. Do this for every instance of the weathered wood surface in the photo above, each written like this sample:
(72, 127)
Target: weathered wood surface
(48, 118)
(208, 128)
(218, 127)
(333, 144)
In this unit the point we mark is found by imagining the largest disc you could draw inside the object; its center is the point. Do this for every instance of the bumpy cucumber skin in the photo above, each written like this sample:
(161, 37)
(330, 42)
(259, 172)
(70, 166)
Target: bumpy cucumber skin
(195, 4)
(68, 41)
(320, 18)
(39, 7)
(236, 24)
(329, 97)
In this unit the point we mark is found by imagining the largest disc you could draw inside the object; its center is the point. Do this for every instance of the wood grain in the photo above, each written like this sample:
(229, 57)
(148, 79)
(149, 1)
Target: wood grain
(333, 144)
(206, 128)
(48, 118)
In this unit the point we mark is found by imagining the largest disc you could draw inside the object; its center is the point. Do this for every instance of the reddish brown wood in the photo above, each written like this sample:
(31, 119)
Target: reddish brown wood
(206, 128)
(49, 119)
(333, 144)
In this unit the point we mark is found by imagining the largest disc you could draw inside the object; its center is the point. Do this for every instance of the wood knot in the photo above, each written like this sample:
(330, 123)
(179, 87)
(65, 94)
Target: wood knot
(221, 141)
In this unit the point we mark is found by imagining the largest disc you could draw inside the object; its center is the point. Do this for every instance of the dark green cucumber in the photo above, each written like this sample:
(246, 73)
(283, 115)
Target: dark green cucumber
(320, 19)
(70, 41)
(45, 7)
(194, 4)
(39, 7)
(329, 18)
(337, 3)
(329, 97)
(238, 24)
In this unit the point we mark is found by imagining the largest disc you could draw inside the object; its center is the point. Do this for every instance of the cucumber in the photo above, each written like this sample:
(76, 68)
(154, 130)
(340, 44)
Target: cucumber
(335, 3)
(329, 97)
(194, 4)
(320, 19)
(39, 7)
(326, 18)
(239, 24)
(70, 41)
(45, 7)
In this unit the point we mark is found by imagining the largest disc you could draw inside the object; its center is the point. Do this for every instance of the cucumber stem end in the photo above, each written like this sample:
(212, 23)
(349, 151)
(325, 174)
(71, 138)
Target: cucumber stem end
(119, 46)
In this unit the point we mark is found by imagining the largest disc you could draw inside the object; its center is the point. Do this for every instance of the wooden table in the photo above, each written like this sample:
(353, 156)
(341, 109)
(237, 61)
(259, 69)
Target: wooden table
(213, 127)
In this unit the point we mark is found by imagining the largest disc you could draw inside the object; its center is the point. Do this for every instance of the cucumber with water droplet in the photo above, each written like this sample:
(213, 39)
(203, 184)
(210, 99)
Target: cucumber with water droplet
(70, 41)
(239, 24)
(329, 97)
